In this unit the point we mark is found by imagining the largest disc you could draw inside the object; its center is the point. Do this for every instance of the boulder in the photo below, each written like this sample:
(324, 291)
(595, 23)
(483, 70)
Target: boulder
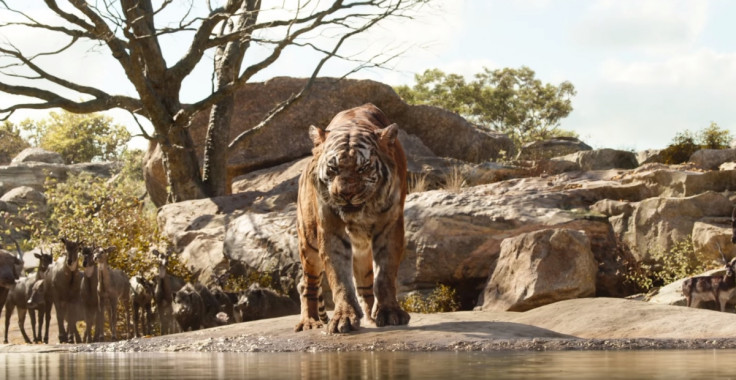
(539, 268)
(711, 159)
(37, 155)
(710, 237)
(286, 139)
(649, 156)
(656, 224)
(602, 159)
(546, 149)
(35, 174)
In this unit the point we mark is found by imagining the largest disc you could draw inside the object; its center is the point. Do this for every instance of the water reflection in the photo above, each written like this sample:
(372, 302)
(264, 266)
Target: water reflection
(377, 365)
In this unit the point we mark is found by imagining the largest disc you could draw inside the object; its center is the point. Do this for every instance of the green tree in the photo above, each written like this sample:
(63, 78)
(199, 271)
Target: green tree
(79, 137)
(11, 142)
(512, 101)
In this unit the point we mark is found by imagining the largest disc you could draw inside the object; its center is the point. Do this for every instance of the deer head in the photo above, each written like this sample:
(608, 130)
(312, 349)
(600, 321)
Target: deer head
(72, 253)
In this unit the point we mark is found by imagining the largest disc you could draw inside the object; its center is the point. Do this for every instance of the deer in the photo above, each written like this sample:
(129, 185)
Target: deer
(90, 300)
(712, 288)
(142, 296)
(20, 297)
(165, 287)
(62, 283)
(113, 285)
(11, 267)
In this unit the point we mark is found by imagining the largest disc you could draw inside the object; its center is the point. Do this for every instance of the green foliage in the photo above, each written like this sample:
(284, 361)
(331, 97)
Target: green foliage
(508, 100)
(442, 299)
(668, 266)
(11, 142)
(685, 143)
(79, 137)
(101, 213)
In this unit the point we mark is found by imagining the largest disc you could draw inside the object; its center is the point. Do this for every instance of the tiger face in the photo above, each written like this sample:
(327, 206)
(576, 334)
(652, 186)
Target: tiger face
(352, 168)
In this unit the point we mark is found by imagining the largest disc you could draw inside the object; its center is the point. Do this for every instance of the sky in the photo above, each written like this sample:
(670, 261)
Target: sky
(643, 70)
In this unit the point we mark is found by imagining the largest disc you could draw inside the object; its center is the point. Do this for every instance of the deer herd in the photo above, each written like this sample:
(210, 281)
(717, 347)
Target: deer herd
(96, 293)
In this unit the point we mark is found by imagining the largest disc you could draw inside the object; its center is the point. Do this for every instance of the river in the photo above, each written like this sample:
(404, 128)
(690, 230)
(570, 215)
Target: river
(675, 364)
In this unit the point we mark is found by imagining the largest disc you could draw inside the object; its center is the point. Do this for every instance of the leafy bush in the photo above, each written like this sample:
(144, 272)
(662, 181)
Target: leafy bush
(442, 299)
(685, 143)
(101, 213)
(666, 267)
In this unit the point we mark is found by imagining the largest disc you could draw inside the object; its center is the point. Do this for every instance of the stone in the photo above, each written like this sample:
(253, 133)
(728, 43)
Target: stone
(554, 147)
(539, 268)
(37, 155)
(602, 159)
(711, 159)
(649, 156)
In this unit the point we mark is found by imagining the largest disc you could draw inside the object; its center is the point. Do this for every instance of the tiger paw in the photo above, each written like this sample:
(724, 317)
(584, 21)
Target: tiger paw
(308, 324)
(391, 316)
(344, 320)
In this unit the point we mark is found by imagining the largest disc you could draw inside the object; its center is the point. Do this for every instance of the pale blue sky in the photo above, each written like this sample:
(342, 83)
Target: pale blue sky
(643, 69)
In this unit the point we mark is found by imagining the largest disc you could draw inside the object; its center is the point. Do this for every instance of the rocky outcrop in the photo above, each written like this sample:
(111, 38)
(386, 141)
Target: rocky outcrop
(711, 159)
(546, 149)
(37, 155)
(602, 159)
(539, 268)
(285, 138)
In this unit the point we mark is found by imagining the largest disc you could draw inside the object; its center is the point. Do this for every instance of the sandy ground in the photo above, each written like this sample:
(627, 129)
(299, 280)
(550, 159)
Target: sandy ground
(591, 323)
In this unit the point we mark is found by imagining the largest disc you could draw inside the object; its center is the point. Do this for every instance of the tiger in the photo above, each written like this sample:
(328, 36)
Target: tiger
(350, 222)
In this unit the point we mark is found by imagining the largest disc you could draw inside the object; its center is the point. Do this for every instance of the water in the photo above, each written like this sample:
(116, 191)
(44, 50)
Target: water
(720, 364)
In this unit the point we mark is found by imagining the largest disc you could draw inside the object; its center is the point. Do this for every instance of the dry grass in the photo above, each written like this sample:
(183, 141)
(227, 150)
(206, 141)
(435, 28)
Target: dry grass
(455, 180)
(418, 183)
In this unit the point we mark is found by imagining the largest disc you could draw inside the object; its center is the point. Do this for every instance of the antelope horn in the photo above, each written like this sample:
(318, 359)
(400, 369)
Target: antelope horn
(733, 214)
(721, 251)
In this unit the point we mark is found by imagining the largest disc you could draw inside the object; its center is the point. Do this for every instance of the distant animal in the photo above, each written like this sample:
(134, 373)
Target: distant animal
(62, 283)
(113, 286)
(195, 307)
(165, 287)
(350, 221)
(712, 288)
(141, 297)
(20, 297)
(93, 317)
(11, 267)
(261, 303)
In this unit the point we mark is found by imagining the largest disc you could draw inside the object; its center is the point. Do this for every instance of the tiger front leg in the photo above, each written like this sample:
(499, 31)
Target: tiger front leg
(313, 315)
(387, 254)
(338, 257)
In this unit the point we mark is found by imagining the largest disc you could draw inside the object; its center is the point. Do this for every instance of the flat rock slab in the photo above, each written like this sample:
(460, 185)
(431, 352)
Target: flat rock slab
(591, 323)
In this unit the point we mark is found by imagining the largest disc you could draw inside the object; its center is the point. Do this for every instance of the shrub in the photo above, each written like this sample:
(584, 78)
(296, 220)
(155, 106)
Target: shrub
(666, 267)
(442, 299)
(685, 143)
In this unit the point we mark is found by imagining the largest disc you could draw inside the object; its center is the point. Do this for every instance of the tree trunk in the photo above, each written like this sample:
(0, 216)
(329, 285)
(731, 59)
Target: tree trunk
(182, 167)
(228, 59)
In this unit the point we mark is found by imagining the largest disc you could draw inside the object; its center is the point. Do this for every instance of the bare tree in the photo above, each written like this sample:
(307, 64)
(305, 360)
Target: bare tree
(131, 32)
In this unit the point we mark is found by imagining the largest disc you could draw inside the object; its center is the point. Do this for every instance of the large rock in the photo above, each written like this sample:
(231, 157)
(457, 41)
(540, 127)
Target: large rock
(286, 139)
(37, 155)
(711, 159)
(546, 149)
(602, 159)
(657, 224)
(539, 268)
(35, 174)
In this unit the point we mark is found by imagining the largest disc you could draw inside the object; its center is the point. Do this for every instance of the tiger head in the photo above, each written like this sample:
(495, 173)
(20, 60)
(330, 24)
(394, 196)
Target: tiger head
(354, 165)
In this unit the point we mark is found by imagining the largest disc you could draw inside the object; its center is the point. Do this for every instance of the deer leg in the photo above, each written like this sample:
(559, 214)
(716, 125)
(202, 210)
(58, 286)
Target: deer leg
(22, 324)
(8, 313)
(32, 314)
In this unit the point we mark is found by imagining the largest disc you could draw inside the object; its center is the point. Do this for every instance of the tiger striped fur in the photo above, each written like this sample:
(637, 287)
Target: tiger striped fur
(350, 221)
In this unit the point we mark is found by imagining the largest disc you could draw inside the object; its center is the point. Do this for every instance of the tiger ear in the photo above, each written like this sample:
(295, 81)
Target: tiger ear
(389, 134)
(317, 135)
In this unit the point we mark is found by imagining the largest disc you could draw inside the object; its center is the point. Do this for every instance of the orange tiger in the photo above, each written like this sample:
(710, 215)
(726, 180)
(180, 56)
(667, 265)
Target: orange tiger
(350, 221)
